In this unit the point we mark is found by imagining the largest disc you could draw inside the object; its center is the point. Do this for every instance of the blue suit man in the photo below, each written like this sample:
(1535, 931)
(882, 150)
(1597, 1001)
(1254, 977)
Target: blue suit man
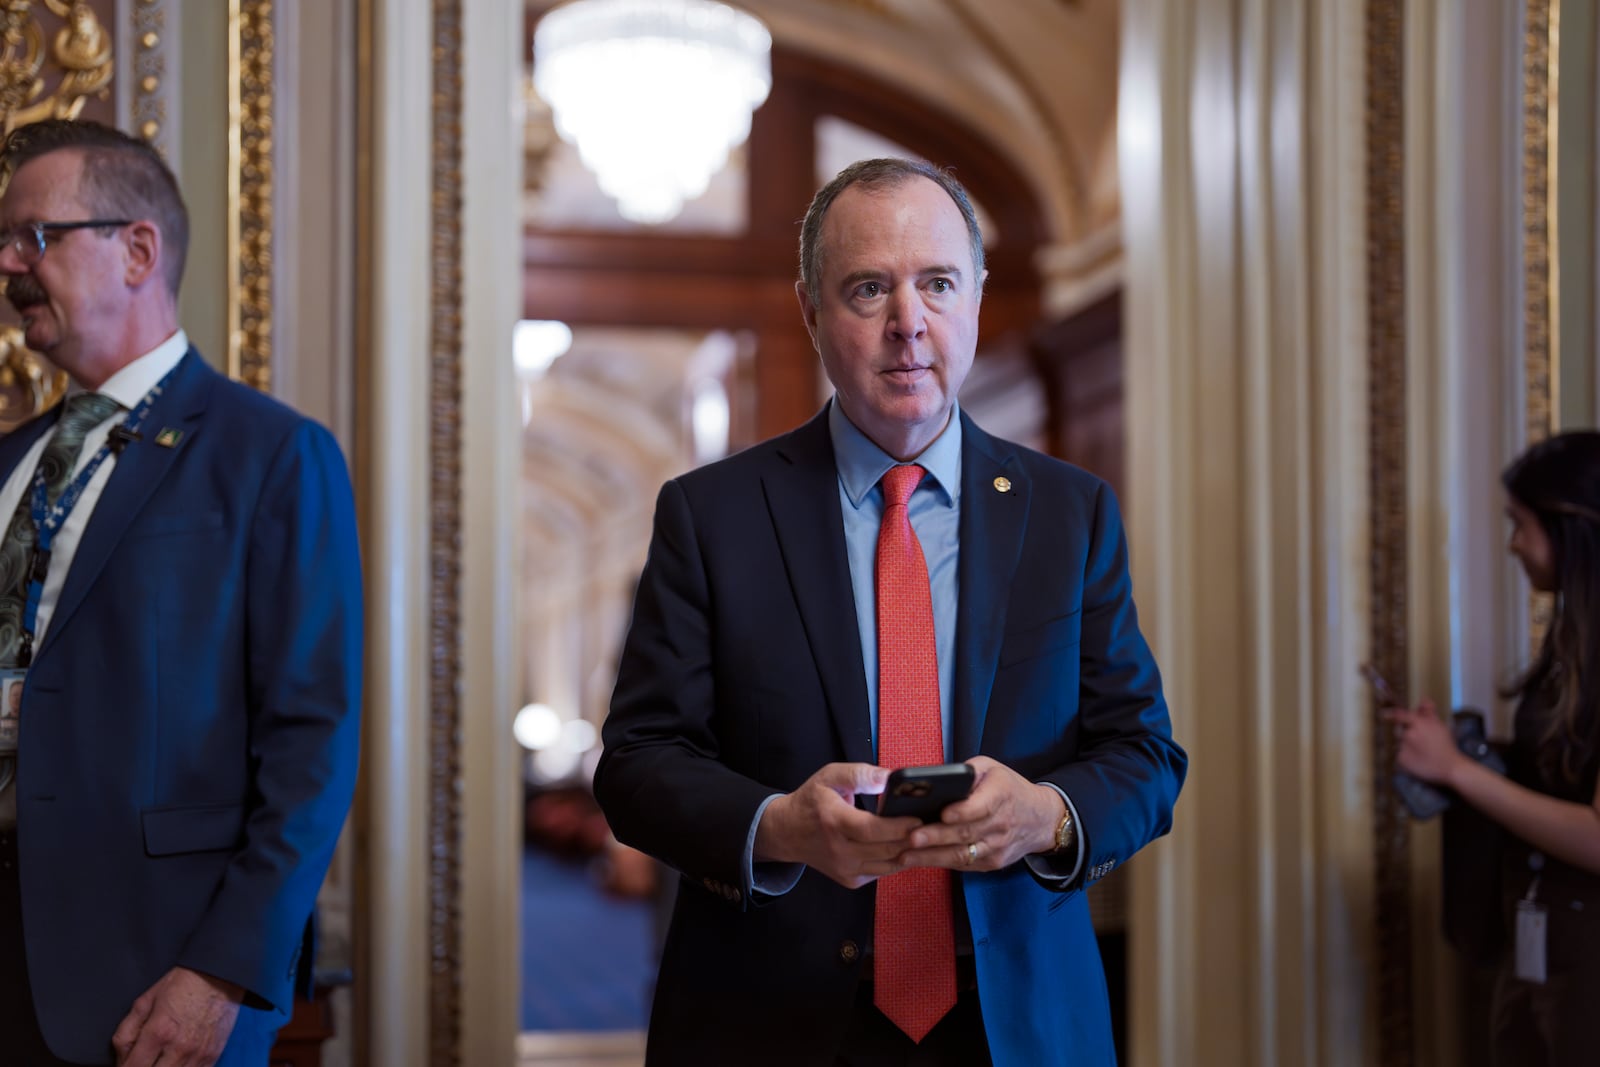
(740, 744)
(190, 713)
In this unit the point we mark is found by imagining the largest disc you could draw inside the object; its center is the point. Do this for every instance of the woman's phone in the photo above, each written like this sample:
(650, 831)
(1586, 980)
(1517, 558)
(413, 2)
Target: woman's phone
(925, 791)
(1424, 801)
(1380, 688)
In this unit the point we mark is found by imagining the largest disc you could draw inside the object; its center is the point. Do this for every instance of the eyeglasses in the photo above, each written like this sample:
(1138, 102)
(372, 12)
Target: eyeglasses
(27, 240)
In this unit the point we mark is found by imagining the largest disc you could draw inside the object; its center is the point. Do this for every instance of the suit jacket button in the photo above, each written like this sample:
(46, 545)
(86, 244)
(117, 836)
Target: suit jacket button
(849, 951)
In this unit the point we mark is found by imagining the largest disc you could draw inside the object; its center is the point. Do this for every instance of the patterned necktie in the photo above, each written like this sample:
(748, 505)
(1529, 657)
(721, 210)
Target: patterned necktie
(81, 414)
(914, 955)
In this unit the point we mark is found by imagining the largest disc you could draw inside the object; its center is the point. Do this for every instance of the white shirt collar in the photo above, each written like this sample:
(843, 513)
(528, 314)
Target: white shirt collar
(130, 384)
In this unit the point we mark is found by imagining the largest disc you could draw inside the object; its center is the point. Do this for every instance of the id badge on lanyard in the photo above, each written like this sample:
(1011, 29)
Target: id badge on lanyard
(1532, 932)
(12, 680)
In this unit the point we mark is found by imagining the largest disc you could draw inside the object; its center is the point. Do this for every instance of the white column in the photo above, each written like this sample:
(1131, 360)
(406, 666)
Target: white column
(1241, 155)
(491, 870)
(394, 760)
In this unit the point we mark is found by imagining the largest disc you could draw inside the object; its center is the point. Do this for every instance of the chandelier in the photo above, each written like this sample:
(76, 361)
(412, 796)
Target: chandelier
(653, 93)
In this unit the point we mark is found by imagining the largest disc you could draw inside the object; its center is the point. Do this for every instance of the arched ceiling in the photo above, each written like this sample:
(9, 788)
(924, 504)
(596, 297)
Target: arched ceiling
(1038, 77)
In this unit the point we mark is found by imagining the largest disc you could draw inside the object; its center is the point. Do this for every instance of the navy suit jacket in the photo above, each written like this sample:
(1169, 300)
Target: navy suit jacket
(742, 675)
(190, 720)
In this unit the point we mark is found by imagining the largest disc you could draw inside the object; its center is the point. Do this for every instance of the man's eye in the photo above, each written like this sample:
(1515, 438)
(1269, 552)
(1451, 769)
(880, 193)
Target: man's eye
(941, 285)
(869, 289)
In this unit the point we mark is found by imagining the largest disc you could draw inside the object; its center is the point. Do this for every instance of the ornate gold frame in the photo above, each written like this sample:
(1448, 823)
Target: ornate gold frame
(148, 107)
(444, 542)
(1541, 265)
(79, 58)
(1386, 295)
(251, 44)
(1540, 309)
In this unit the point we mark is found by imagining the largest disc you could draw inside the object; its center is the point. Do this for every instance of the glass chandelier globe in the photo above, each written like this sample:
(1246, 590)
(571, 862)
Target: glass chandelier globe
(653, 93)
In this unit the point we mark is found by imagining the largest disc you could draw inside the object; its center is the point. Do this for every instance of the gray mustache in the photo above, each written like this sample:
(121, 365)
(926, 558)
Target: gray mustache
(23, 292)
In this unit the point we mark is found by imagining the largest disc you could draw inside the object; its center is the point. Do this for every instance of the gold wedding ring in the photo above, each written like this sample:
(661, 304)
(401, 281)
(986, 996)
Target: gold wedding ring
(972, 853)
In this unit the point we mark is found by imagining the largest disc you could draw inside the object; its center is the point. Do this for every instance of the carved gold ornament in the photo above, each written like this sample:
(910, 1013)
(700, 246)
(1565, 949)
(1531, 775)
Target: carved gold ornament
(81, 50)
(28, 384)
(252, 43)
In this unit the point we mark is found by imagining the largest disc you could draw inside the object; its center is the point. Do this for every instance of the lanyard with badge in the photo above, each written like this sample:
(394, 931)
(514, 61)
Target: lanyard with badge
(47, 523)
(1533, 922)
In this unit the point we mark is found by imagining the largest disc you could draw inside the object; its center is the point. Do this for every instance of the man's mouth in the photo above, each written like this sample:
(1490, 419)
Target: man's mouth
(24, 296)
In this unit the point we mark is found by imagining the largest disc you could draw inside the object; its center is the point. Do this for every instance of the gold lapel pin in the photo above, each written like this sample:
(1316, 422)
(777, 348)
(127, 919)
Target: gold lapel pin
(1003, 484)
(169, 438)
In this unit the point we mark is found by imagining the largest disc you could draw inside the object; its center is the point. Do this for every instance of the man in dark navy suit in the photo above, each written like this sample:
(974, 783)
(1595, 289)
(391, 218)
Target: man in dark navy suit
(887, 585)
(180, 595)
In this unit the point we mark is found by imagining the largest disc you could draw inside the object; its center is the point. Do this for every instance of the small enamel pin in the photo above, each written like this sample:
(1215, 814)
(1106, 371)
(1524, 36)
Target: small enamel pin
(169, 438)
(1002, 485)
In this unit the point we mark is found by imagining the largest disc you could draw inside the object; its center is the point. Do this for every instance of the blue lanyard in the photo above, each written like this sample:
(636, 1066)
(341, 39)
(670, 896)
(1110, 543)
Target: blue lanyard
(47, 521)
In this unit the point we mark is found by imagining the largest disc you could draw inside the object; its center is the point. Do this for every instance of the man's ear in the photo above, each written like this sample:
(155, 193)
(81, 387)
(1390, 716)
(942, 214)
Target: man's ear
(144, 252)
(808, 311)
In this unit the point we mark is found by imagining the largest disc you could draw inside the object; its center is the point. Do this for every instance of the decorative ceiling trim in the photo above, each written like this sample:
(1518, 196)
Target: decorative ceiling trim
(876, 8)
(444, 541)
(1060, 146)
(1386, 296)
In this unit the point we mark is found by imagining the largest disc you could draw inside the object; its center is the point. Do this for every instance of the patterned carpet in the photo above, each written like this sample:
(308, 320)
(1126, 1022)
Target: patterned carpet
(588, 958)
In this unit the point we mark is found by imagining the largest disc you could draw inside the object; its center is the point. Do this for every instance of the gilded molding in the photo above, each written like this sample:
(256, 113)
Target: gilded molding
(78, 60)
(149, 115)
(444, 542)
(1386, 295)
(251, 44)
(28, 385)
(1539, 100)
(79, 53)
(1541, 335)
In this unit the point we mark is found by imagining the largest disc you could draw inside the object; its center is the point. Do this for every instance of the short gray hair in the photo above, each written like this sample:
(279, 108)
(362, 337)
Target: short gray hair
(122, 177)
(876, 174)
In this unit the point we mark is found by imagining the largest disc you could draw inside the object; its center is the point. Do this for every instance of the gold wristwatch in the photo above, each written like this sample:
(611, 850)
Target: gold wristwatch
(1065, 831)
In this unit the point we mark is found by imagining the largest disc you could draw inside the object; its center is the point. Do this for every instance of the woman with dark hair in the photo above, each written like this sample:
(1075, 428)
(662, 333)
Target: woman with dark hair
(1548, 983)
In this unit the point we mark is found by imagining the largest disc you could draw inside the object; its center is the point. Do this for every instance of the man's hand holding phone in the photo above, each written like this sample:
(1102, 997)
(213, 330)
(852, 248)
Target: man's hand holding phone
(1004, 818)
(820, 826)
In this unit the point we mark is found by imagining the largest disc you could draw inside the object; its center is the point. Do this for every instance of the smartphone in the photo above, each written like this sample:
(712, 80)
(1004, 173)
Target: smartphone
(1424, 801)
(924, 791)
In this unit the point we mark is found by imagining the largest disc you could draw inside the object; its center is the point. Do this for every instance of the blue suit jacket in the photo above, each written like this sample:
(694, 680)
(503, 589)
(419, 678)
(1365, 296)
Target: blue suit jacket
(742, 675)
(190, 720)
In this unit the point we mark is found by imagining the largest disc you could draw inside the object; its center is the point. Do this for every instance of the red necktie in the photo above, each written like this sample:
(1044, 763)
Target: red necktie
(914, 980)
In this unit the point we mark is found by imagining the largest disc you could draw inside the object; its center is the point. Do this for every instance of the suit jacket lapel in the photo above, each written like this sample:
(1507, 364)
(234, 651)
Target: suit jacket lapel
(139, 469)
(992, 526)
(802, 491)
(15, 444)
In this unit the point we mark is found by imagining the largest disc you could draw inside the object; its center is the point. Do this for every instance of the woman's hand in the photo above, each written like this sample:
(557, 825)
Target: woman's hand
(1427, 748)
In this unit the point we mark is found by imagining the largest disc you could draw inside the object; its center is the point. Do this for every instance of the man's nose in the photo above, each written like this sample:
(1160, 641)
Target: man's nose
(11, 262)
(907, 317)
